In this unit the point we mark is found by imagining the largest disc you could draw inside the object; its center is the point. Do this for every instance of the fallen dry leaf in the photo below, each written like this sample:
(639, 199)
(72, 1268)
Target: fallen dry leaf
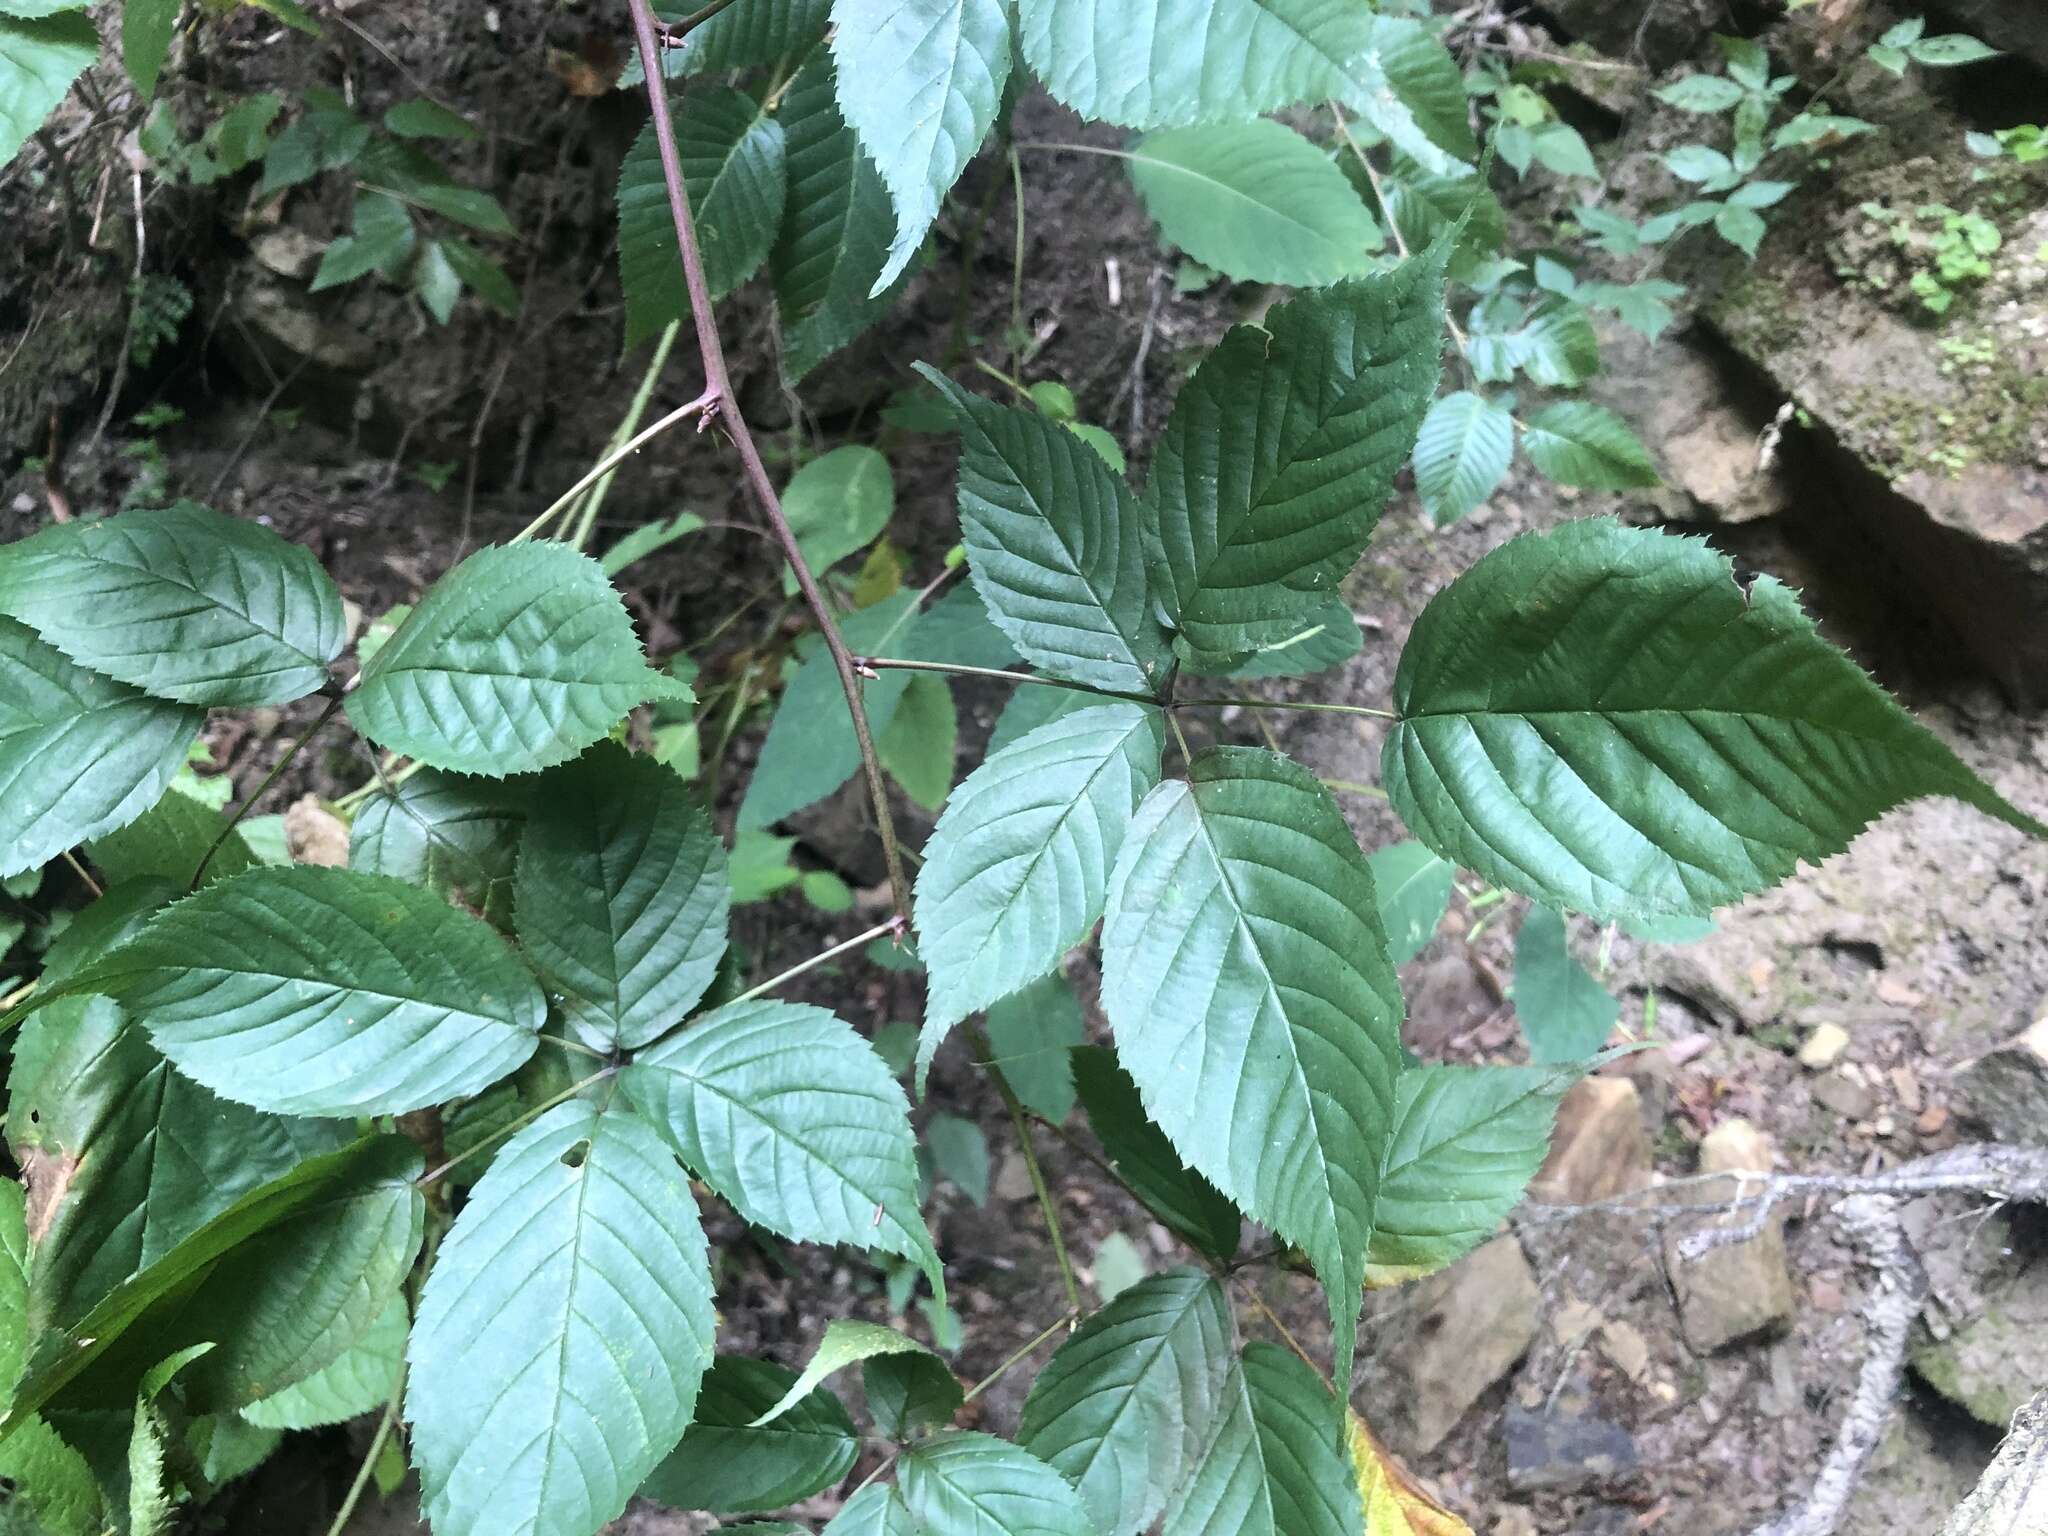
(1394, 1504)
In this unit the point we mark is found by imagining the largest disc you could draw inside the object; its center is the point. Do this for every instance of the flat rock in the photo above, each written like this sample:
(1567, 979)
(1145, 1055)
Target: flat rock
(1739, 1290)
(1823, 1046)
(1557, 1450)
(1991, 1363)
(1453, 1336)
(1598, 1150)
(2005, 1091)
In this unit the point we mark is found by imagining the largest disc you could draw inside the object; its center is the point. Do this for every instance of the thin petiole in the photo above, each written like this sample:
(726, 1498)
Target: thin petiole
(876, 932)
(1038, 1184)
(1352, 787)
(270, 778)
(1301, 704)
(955, 669)
(515, 1127)
(613, 460)
(1067, 1320)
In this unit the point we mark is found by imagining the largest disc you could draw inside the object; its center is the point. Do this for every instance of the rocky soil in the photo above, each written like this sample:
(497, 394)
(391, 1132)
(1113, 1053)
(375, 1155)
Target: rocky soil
(1580, 1374)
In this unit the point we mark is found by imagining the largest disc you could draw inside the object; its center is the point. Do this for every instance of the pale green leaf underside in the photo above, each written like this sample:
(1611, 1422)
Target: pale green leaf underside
(791, 1116)
(1126, 1406)
(316, 991)
(361, 1379)
(181, 602)
(1576, 442)
(1467, 1140)
(919, 82)
(517, 659)
(1246, 978)
(877, 1510)
(847, 1341)
(1016, 871)
(622, 896)
(1055, 544)
(1602, 719)
(1281, 451)
(1461, 454)
(1414, 887)
(1277, 1463)
(972, 1483)
(80, 754)
(562, 1333)
(1256, 201)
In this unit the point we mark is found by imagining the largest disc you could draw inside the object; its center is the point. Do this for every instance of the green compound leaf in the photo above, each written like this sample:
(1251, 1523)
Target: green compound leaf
(1031, 1032)
(846, 1342)
(182, 603)
(1414, 887)
(132, 1158)
(1576, 442)
(1016, 871)
(168, 842)
(1467, 1140)
(877, 1510)
(746, 36)
(40, 55)
(452, 834)
(731, 152)
(1281, 451)
(1055, 544)
(1246, 977)
(1125, 1407)
(316, 991)
(1461, 454)
(919, 82)
(1564, 1010)
(517, 659)
(792, 1117)
(1030, 707)
(563, 1331)
(1603, 719)
(1277, 1464)
(964, 1482)
(1256, 201)
(360, 1379)
(1142, 1156)
(80, 754)
(622, 896)
(836, 224)
(726, 1463)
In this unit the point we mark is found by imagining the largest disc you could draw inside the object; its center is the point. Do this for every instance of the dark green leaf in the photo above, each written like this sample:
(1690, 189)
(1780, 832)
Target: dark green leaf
(836, 504)
(973, 1483)
(1576, 442)
(745, 36)
(1603, 719)
(1031, 1032)
(1055, 544)
(908, 1393)
(447, 832)
(167, 843)
(622, 896)
(792, 1117)
(563, 1332)
(647, 538)
(80, 754)
(128, 1157)
(1277, 1465)
(407, 174)
(1564, 1010)
(181, 602)
(919, 82)
(361, 1379)
(380, 239)
(1126, 1406)
(919, 746)
(726, 1463)
(517, 659)
(482, 276)
(1016, 871)
(1700, 93)
(326, 992)
(146, 28)
(1461, 453)
(1281, 451)
(427, 120)
(1466, 1142)
(731, 155)
(1256, 201)
(836, 222)
(1141, 1154)
(1246, 977)
(959, 1152)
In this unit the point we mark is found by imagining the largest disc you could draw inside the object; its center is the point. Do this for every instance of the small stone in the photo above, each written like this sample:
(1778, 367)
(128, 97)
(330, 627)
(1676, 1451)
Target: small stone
(1895, 992)
(1013, 1179)
(1455, 1335)
(1624, 1344)
(1575, 1319)
(288, 252)
(1666, 1392)
(1823, 1046)
(2006, 1090)
(1598, 1150)
(1514, 1520)
(1823, 1295)
(1905, 1088)
(315, 835)
(1932, 1121)
(1557, 1451)
(1843, 1096)
(1738, 1290)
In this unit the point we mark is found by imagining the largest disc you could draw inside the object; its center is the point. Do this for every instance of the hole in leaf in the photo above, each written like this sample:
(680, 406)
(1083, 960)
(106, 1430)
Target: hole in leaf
(573, 1158)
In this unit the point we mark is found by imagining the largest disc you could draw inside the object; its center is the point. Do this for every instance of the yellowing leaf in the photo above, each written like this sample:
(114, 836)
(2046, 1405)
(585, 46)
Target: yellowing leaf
(1394, 1504)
